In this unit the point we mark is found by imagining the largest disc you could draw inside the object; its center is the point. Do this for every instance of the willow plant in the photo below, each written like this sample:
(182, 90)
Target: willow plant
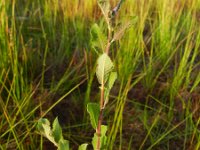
(106, 75)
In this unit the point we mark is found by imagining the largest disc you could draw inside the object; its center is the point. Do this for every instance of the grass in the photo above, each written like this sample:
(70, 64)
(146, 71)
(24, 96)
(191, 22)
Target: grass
(47, 68)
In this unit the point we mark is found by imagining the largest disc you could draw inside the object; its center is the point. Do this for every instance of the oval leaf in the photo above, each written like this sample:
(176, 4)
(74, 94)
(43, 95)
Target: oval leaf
(111, 80)
(98, 38)
(103, 138)
(83, 147)
(110, 83)
(63, 145)
(93, 110)
(104, 68)
(42, 121)
(57, 131)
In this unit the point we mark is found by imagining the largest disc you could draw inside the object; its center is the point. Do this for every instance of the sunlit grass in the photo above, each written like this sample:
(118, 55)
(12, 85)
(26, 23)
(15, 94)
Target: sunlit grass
(46, 57)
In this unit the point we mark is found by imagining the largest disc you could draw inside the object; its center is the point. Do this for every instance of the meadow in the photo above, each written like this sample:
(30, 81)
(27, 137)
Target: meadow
(48, 62)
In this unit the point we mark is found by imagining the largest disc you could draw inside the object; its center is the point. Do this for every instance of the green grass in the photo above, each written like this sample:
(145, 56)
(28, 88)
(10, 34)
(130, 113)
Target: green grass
(47, 69)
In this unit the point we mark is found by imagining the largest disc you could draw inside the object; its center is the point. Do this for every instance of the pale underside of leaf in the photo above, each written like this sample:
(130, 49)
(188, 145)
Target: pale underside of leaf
(48, 132)
(104, 68)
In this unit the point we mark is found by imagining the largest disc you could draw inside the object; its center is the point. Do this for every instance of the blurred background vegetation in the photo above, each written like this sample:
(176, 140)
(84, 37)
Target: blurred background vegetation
(47, 69)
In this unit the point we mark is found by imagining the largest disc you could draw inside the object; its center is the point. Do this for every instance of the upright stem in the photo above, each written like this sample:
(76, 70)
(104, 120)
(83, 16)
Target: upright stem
(98, 131)
(100, 118)
(109, 39)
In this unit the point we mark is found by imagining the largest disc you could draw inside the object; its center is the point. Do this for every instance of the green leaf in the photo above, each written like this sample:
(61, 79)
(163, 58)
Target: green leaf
(94, 141)
(63, 145)
(83, 147)
(104, 129)
(110, 83)
(105, 8)
(111, 80)
(45, 129)
(104, 68)
(98, 38)
(57, 131)
(39, 124)
(93, 110)
(103, 138)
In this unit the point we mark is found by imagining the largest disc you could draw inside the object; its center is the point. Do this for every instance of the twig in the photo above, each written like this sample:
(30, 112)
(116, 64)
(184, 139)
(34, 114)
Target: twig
(100, 119)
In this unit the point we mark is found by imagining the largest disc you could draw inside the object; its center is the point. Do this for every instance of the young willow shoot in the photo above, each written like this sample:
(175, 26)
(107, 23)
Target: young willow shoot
(106, 77)
(105, 72)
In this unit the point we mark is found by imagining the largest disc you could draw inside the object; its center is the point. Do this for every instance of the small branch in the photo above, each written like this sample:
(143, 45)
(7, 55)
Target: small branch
(100, 119)
(102, 96)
